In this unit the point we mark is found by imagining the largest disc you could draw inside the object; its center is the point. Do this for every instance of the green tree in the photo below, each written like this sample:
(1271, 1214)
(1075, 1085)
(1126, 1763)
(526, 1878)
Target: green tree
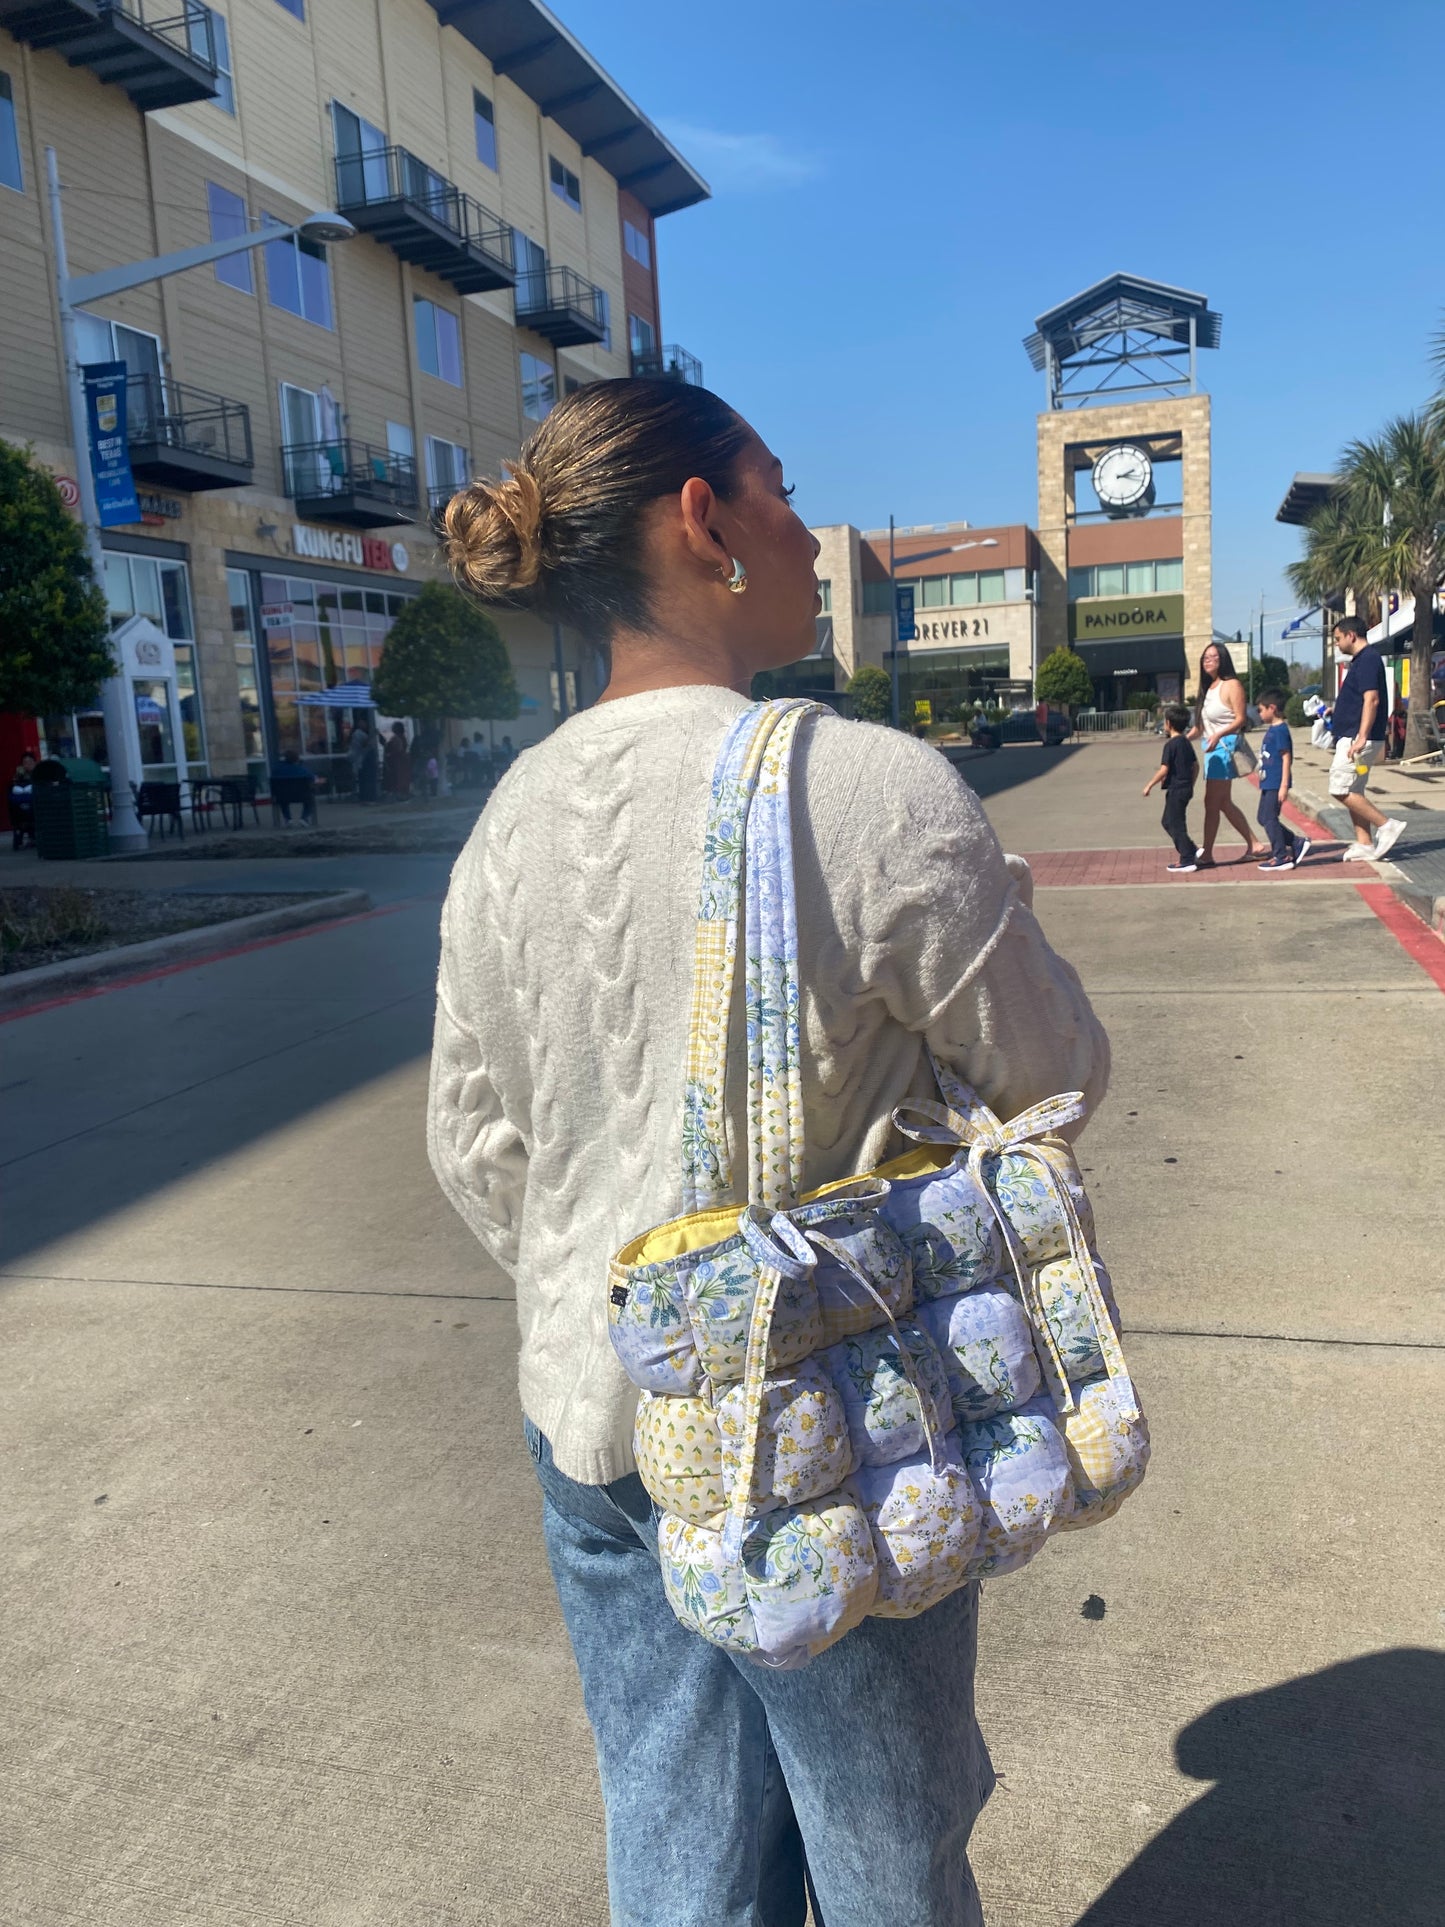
(445, 658)
(1382, 531)
(872, 693)
(1267, 672)
(54, 626)
(1064, 678)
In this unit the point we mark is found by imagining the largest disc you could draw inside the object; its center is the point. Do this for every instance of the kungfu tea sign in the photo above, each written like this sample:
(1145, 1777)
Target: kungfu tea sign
(1124, 618)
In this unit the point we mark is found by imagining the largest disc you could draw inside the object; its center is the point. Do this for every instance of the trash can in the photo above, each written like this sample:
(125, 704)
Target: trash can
(70, 809)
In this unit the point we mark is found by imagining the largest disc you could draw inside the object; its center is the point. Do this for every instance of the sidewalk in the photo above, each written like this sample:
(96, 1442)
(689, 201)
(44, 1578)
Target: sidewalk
(1415, 868)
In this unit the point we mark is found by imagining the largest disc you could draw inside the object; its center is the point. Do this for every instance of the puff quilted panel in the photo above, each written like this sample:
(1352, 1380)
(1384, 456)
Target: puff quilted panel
(704, 1589)
(803, 1448)
(876, 1250)
(1108, 1447)
(721, 1286)
(884, 1414)
(679, 1457)
(925, 1527)
(811, 1574)
(950, 1231)
(987, 1350)
(1066, 1306)
(1018, 1463)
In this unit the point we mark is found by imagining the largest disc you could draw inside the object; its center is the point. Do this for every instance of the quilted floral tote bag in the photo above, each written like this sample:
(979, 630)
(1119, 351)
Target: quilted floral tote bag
(855, 1400)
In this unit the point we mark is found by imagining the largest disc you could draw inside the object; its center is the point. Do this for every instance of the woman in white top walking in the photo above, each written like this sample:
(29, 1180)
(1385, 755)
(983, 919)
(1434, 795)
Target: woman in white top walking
(649, 515)
(1220, 716)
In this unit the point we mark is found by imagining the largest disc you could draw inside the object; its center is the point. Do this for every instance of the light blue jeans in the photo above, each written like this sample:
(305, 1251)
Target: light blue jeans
(727, 1786)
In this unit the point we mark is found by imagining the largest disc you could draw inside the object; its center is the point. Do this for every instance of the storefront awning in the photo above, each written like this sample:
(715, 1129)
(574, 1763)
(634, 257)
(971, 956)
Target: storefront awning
(346, 695)
(1149, 655)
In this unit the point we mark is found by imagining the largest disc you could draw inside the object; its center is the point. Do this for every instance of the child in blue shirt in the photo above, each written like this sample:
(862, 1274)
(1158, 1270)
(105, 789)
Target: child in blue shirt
(1276, 765)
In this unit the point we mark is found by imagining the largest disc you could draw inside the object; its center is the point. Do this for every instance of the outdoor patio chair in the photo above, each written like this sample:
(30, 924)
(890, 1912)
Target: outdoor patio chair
(159, 803)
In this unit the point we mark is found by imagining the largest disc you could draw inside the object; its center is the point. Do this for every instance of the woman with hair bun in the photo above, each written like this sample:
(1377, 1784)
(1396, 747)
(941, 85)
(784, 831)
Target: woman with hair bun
(649, 517)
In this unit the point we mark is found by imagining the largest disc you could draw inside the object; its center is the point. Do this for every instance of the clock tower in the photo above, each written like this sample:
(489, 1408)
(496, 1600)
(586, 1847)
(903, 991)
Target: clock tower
(1124, 485)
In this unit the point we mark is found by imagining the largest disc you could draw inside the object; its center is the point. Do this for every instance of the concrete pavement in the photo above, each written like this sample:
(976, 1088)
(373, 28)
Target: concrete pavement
(278, 1639)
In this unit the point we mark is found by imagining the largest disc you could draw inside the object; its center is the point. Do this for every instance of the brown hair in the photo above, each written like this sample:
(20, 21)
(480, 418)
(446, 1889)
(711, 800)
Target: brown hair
(562, 534)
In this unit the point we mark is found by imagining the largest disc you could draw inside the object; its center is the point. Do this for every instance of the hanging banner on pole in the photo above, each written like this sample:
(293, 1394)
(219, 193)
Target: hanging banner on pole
(904, 593)
(115, 496)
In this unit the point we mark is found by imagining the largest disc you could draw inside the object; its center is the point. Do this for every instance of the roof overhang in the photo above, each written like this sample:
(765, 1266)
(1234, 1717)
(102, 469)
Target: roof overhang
(1148, 307)
(528, 44)
(1304, 498)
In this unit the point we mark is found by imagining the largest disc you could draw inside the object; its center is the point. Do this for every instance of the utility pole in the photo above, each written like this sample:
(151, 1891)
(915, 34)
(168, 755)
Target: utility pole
(126, 832)
(560, 672)
(893, 625)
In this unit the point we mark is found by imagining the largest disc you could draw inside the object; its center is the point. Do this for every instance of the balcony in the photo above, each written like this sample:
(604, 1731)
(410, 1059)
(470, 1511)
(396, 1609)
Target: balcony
(437, 497)
(182, 438)
(350, 482)
(558, 303)
(162, 57)
(392, 195)
(667, 364)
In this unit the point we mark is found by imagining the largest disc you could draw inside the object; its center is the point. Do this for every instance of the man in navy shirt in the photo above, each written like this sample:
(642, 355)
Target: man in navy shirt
(1360, 720)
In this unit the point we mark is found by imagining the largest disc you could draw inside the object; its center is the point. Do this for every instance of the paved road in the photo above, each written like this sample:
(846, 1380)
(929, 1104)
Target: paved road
(277, 1644)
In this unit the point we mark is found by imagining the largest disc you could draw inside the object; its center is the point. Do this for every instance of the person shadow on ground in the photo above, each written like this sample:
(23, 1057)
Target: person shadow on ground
(1328, 1808)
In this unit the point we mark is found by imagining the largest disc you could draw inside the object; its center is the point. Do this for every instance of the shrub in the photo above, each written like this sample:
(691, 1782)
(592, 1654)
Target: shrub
(872, 693)
(1064, 678)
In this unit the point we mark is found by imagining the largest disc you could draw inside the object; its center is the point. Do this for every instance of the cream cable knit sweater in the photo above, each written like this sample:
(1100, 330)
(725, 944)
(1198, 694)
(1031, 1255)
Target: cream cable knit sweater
(562, 1002)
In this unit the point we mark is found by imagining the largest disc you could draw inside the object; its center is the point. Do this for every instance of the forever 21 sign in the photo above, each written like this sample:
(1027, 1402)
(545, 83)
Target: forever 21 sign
(951, 628)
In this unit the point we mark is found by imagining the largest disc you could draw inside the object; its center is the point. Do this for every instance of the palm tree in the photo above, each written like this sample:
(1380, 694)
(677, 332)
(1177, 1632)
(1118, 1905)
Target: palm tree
(1383, 530)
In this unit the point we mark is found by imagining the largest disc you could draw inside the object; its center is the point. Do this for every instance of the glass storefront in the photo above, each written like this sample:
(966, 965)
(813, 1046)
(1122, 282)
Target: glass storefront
(159, 588)
(948, 679)
(316, 635)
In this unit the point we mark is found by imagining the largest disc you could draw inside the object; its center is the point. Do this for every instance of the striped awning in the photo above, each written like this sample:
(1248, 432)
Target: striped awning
(346, 695)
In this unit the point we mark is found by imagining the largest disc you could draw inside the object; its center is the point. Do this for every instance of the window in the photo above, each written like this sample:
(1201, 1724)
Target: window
(229, 219)
(1127, 578)
(964, 590)
(208, 40)
(400, 440)
(825, 592)
(484, 124)
(637, 243)
(138, 585)
(361, 151)
(98, 340)
(539, 388)
(565, 184)
(991, 586)
(438, 340)
(604, 315)
(531, 271)
(641, 337)
(933, 592)
(570, 384)
(447, 469)
(297, 277)
(296, 8)
(10, 175)
(877, 598)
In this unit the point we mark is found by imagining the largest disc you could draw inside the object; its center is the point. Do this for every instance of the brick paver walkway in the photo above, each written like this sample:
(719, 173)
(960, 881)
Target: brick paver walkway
(1088, 869)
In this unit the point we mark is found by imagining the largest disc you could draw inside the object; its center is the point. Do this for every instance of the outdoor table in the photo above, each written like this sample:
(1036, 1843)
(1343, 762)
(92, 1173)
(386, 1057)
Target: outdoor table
(229, 794)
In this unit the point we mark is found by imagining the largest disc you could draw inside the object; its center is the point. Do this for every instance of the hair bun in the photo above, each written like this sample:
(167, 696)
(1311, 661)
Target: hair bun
(493, 536)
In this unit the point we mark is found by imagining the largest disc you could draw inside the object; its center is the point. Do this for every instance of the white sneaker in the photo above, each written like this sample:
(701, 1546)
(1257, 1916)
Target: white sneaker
(1388, 835)
(1359, 853)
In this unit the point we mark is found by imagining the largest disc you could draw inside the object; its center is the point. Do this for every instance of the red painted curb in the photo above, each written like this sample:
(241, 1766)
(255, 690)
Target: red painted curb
(210, 957)
(1415, 938)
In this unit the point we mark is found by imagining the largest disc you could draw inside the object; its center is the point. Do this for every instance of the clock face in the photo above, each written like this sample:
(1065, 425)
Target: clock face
(1123, 476)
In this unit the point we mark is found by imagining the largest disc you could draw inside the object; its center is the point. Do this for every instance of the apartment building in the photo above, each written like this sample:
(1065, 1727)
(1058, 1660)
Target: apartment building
(297, 412)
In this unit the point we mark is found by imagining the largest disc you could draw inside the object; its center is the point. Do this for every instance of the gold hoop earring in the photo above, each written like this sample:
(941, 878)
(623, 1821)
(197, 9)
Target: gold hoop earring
(738, 580)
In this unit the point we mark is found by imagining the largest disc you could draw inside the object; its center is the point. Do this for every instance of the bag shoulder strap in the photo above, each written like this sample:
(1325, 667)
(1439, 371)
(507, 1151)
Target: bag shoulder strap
(747, 883)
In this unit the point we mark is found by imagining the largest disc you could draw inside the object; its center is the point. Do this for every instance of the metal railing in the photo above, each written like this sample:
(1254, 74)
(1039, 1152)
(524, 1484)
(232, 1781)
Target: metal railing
(191, 32)
(388, 177)
(314, 470)
(163, 412)
(559, 290)
(673, 363)
(438, 495)
(1105, 722)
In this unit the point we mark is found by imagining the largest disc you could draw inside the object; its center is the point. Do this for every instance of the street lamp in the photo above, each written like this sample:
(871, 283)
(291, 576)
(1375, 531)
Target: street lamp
(126, 832)
(929, 555)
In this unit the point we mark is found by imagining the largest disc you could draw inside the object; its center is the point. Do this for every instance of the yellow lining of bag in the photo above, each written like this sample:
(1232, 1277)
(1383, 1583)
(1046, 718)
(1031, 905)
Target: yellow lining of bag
(699, 1229)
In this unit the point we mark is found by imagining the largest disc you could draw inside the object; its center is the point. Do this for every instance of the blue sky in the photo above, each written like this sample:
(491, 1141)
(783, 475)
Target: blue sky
(900, 189)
